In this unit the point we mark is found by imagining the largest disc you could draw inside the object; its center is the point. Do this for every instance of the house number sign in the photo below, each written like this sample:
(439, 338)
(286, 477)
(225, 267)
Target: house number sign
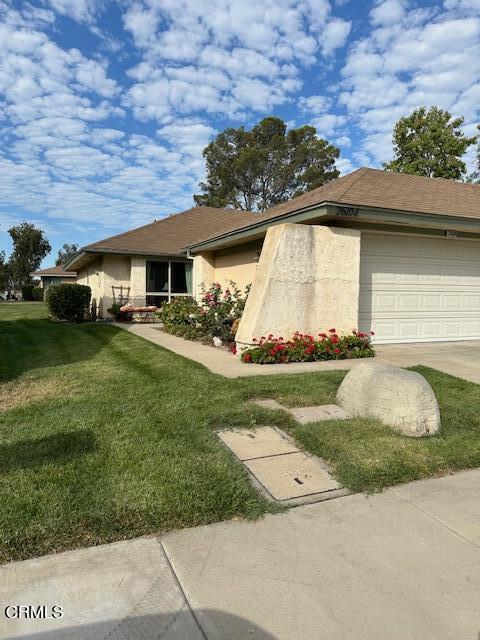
(349, 212)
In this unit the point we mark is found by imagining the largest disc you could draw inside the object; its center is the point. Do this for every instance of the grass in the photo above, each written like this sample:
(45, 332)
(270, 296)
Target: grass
(105, 436)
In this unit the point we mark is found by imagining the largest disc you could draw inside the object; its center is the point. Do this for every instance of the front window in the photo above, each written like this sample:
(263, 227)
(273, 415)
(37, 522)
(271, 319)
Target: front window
(167, 279)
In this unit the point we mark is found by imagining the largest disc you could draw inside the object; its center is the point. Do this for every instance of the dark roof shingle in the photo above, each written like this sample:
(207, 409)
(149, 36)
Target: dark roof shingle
(55, 271)
(169, 236)
(379, 189)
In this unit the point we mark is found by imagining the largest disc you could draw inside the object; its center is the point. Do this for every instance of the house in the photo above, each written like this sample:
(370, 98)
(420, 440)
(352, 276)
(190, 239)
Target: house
(54, 275)
(395, 253)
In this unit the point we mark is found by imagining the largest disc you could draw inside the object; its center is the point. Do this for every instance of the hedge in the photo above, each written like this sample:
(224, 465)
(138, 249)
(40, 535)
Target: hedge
(68, 301)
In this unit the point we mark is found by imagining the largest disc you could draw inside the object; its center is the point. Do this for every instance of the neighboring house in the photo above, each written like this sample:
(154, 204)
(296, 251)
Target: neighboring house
(391, 252)
(54, 275)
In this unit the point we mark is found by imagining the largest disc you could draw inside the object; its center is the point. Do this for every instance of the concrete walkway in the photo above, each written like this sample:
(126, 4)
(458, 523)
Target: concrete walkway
(461, 359)
(402, 565)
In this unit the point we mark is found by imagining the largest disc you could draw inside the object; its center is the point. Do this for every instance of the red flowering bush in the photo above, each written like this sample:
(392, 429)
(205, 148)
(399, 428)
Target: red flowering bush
(307, 348)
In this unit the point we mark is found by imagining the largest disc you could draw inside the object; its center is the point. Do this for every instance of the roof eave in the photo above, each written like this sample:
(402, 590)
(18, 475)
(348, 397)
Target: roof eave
(343, 210)
(244, 233)
(86, 251)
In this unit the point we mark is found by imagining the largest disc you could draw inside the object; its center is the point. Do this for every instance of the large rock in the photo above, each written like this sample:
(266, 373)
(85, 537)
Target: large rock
(402, 399)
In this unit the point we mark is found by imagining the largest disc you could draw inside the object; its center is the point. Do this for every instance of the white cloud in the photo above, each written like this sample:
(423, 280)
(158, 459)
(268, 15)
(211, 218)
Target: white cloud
(335, 34)
(411, 58)
(387, 12)
(314, 104)
(329, 124)
(256, 47)
(80, 10)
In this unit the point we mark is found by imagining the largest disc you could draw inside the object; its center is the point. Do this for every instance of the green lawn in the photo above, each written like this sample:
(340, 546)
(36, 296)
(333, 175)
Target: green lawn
(105, 436)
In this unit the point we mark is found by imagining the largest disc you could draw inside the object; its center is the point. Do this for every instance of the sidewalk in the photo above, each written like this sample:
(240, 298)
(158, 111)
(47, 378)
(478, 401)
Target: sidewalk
(460, 359)
(400, 565)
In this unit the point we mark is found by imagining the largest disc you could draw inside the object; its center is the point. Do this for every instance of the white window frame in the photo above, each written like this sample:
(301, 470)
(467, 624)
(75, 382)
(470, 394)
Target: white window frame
(168, 294)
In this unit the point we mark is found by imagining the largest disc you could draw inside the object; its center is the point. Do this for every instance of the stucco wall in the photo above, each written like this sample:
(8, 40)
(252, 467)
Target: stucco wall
(203, 271)
(237, 263)
(138, 281)
(116, 273)
(307, 279)
(92, 276)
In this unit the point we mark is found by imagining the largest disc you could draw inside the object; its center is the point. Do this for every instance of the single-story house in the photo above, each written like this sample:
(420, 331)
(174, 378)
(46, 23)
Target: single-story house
(54, 275)
(374, 250)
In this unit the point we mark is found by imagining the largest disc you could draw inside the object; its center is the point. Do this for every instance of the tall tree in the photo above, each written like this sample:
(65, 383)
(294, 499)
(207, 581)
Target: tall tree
(474, 176)
(257, 169)
(430, 143)
(65, 253)
(3, 273)
(29, 249)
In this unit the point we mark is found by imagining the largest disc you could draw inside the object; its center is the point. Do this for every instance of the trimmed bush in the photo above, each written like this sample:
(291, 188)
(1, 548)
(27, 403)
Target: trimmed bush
(38, 294)
(68, 301)
(27, 292)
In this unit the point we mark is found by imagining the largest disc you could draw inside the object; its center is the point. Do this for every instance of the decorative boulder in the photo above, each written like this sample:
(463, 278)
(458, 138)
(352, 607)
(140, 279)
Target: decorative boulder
(217, 342)
(401, 399)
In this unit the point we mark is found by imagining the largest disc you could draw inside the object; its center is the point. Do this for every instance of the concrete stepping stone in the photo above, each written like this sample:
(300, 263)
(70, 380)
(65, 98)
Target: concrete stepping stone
(283, 471)
(319, 413)
(292, 475)
(256, 443)
(307, 414)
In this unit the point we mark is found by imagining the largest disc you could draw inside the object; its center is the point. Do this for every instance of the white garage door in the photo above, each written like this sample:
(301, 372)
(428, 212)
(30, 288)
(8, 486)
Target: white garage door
(416, 289)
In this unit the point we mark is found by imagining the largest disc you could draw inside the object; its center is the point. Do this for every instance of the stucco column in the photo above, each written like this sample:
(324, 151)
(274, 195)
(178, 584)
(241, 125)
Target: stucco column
(203, 272)
(138, 281)
(307, 280)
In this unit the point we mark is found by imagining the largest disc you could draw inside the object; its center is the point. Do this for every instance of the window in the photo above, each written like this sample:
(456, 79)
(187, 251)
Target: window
(167, 279)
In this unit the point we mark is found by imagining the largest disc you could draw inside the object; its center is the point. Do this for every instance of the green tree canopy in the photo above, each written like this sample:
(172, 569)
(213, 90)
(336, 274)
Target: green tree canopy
(430, 143)
(29, 249)
(3, 272)
(65, 253)
(257, 169)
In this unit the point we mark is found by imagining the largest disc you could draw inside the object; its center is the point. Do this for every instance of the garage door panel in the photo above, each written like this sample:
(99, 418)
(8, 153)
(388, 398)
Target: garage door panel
(419, 288)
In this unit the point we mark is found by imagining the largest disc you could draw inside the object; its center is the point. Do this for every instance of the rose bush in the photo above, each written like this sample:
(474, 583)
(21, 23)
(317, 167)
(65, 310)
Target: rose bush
(212, 317)
(307, 348)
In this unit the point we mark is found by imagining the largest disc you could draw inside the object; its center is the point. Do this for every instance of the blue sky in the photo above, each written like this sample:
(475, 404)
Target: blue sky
(105, 106)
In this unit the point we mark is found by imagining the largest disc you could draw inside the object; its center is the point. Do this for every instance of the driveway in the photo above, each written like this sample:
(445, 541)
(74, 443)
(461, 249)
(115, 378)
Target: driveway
(402, 565)
(461, 359)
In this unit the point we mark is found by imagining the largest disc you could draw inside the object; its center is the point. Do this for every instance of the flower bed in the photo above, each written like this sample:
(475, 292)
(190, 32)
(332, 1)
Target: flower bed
(214, 316)
(307, 348)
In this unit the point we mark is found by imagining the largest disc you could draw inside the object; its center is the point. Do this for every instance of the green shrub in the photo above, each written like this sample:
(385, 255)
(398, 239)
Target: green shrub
(27, 292)
(38, 294)
(68, 301)
(114, 310)
(213, 316)
(305, 348)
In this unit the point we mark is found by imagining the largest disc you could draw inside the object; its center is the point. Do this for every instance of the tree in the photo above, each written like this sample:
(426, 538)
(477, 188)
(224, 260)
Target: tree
(474, 176)
(3, 273)
(430, 143)
(257, 169)
(29, 249)
(65, 253)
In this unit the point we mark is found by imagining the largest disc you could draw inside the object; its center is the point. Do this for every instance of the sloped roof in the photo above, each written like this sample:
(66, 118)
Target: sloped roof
(169, 236)
(379, 189)
(55, 271)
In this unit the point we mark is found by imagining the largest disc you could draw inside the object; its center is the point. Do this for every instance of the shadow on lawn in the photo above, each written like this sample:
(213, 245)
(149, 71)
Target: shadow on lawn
(59, 447)
(27, 344)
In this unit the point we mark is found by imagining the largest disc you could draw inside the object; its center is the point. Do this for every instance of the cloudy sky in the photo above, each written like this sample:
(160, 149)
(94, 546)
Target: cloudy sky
(105, 106)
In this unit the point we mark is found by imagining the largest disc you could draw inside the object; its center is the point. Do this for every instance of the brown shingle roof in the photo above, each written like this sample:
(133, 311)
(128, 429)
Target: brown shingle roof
(55, 271)
(169, 236)
(384, 190)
